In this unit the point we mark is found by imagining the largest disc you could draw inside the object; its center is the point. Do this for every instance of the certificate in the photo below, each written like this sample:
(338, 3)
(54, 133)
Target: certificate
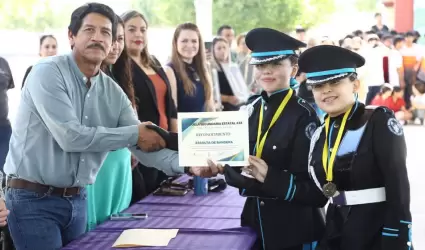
(222, 137)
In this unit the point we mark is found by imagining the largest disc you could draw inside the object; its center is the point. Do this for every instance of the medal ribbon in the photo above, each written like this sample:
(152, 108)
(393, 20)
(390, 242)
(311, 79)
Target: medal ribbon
(328, 166)
(260, 143)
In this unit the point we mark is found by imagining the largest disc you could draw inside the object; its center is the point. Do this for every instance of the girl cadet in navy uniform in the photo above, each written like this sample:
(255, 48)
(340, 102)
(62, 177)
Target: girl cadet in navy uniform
(280, 127)
(357, 159)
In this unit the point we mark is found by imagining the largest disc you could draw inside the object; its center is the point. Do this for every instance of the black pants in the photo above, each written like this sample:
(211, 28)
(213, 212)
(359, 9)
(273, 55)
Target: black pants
(410, 80)
(139, 188)
(153, 178)
(259, 246)
(145, 181)
(373, 91)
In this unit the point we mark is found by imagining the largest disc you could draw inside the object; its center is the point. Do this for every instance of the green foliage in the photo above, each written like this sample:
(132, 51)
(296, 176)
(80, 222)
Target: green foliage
(242, 15)
(166, 12)
(31, 15)
(366, 5)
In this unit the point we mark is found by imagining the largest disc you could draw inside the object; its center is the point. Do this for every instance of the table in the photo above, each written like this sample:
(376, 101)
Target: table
(204, 222)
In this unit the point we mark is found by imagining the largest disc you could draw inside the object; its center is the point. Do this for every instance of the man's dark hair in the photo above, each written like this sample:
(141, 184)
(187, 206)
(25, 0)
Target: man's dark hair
(358, 33)
(348, 36)
(81, 12)
(410, 33)
(394, 32)
(370, 32)
(381, 35)
(377, 14)
(386, 36)
(223, 27)
(420, 86)
(397, 39)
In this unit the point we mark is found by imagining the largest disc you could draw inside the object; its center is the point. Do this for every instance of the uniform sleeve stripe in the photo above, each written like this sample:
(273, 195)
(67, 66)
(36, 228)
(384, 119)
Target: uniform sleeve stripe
(390, 235)
(391, 229)
(290, 188)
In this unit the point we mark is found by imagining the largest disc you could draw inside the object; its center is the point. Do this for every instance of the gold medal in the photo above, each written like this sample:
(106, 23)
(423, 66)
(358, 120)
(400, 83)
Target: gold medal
(329, 189)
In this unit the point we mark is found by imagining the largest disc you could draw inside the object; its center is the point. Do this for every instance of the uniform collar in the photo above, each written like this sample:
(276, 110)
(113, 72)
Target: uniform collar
(357, 109)
(277, 95)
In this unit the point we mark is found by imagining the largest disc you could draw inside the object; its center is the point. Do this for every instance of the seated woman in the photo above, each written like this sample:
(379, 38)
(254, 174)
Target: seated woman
(187, 71)
(418, 101)
(233, 89)
(380, 98)
(398, 106)
(48, 47)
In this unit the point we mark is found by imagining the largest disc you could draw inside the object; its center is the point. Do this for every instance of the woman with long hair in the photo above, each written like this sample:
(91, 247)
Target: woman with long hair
(111, 193)
(48, 47)
(187, 71)
(233, 88)
(152, 94)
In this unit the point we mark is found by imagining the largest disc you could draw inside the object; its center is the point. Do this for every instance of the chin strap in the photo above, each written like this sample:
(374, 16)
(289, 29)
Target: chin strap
(293, 83)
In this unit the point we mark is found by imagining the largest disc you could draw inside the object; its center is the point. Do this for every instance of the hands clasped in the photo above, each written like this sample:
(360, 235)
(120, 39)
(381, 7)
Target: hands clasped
(149, 140)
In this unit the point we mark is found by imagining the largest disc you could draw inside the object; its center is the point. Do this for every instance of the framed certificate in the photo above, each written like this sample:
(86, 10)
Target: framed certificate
(222, 137)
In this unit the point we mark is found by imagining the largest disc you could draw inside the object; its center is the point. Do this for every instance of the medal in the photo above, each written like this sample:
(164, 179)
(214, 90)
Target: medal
(329, 189)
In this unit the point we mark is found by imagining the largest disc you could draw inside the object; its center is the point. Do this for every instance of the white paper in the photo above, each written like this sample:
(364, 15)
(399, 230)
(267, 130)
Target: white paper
(222, 137)
(145, 237)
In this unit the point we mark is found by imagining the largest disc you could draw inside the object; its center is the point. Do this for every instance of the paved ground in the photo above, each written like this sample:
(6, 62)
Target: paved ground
(415, 137)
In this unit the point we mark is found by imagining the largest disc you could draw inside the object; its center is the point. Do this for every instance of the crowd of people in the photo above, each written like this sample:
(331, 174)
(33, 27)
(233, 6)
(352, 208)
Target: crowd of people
(83, 148)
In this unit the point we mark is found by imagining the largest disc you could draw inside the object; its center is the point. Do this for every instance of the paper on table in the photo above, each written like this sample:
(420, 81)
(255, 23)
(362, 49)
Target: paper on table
(145, 237)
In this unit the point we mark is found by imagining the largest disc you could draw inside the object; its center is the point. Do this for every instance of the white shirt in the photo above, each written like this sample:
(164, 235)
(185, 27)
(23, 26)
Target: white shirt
(395, 61)
(374, 66)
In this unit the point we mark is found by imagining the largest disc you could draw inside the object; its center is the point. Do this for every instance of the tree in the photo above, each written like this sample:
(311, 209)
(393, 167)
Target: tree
(166, 12)
(242, 15)
(31, 15)
(366, 5)
(283, 15)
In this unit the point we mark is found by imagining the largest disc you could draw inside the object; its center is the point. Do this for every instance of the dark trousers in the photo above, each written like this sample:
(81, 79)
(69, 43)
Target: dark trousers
(145, 181)
(5, 133)
(373, 91)
(410, 80)
(259, 246)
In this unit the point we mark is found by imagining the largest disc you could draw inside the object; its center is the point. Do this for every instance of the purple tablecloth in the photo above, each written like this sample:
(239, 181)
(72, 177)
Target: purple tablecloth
(204, 222)
(185, 240)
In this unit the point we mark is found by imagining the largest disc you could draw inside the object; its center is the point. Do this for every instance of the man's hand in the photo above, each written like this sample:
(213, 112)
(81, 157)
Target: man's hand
(149, 140)
(258, 168)
(3, 213)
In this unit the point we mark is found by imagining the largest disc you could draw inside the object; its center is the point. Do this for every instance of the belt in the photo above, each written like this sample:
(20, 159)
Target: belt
(359, 197)
(40, 188)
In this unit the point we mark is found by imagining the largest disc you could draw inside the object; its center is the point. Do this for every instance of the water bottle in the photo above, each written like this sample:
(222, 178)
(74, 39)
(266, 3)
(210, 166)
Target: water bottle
(201, 185)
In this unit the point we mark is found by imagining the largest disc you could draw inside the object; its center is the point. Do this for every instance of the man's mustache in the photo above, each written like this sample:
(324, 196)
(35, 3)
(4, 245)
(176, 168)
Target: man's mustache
(96, 45)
